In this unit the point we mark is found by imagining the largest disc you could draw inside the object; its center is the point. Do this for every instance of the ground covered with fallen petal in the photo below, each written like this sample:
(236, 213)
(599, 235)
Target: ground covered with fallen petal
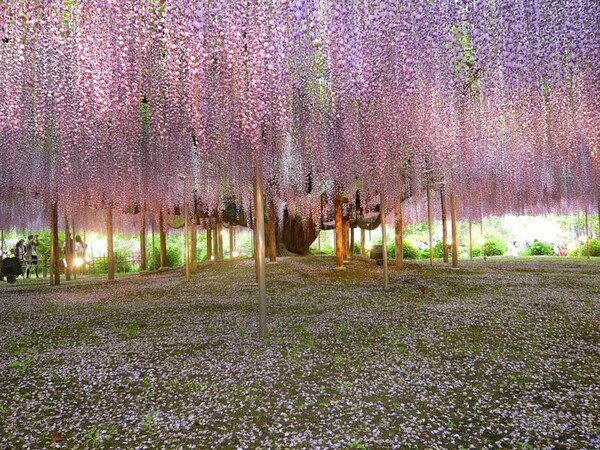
(500, 353)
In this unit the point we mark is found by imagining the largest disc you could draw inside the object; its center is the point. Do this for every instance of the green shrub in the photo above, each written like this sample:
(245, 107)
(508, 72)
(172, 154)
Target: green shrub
(494, 247)
(173, 258)
(409, 251)
(539, 249)
(476, 251)
(582, 249)
(424, 254)
(438, 250)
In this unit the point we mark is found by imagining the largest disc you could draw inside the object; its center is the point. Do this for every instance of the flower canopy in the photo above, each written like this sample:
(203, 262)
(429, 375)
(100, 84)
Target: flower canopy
(108, 102)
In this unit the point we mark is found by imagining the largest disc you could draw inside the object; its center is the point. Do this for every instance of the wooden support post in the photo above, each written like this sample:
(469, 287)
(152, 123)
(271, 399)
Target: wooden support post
(587, 234)
(1, 244)
(272, 233)
(444, 225)
(216, 240)
(110, 255)
(193, 244)
(430, 223)
(54, 251)
(399, 231)
(231, 245)
(73, 255)
(384, 239)
(186, 242)
(345, 237)
(162, 235)
(143, 256)
(209, 243)
(153, 247)
(363, 251)
(220, 242)
(339, 233)
(351, 240)
(67, 252)
(259, 214)
(454, 229)
(470, 238)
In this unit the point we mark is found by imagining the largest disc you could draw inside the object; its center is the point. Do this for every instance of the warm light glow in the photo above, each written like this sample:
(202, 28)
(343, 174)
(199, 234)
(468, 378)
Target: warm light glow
(368, 246)
(235, 254)
(223, 232)
(77, 262)
(212, 258)
(583, 239)
(572, 246)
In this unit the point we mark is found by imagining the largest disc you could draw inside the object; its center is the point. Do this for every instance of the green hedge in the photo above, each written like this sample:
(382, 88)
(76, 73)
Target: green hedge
(409, 251)
(539, 248)
(494, 247)
(582, 249)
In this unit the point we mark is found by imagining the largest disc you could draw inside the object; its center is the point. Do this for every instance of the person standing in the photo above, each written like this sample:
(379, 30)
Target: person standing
(19, 252)
(31, 255)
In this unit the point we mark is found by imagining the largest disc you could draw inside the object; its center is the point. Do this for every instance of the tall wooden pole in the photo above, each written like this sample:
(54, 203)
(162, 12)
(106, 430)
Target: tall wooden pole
(143, 256)
(259, 214)
(153, 247)
(67, 252)
(186, 243)
(271, 231)
(219, 236)
(1, 244)
(162, 235)
(110, 256)
(209, 243)
(430, 224)
(351, 240)
(54, 252)
(193, 244)
(73, 271)
(339, 233)
(231, 247)
(216, 240)
(384, 239)
(444, 225)
(398, 229)
(454, 229)
(363, 250)
(346, 237)
(587, 234)
(470, 238)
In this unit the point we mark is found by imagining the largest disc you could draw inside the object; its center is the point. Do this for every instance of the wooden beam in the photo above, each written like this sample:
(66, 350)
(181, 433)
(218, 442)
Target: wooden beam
(454, 230)
(399, 231)
(444, 224)
(110, 255)
(54, 251)
(162, 235)
(339, 233)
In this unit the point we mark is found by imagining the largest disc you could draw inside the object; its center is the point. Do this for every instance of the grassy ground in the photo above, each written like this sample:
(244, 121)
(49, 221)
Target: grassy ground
(503, 353)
